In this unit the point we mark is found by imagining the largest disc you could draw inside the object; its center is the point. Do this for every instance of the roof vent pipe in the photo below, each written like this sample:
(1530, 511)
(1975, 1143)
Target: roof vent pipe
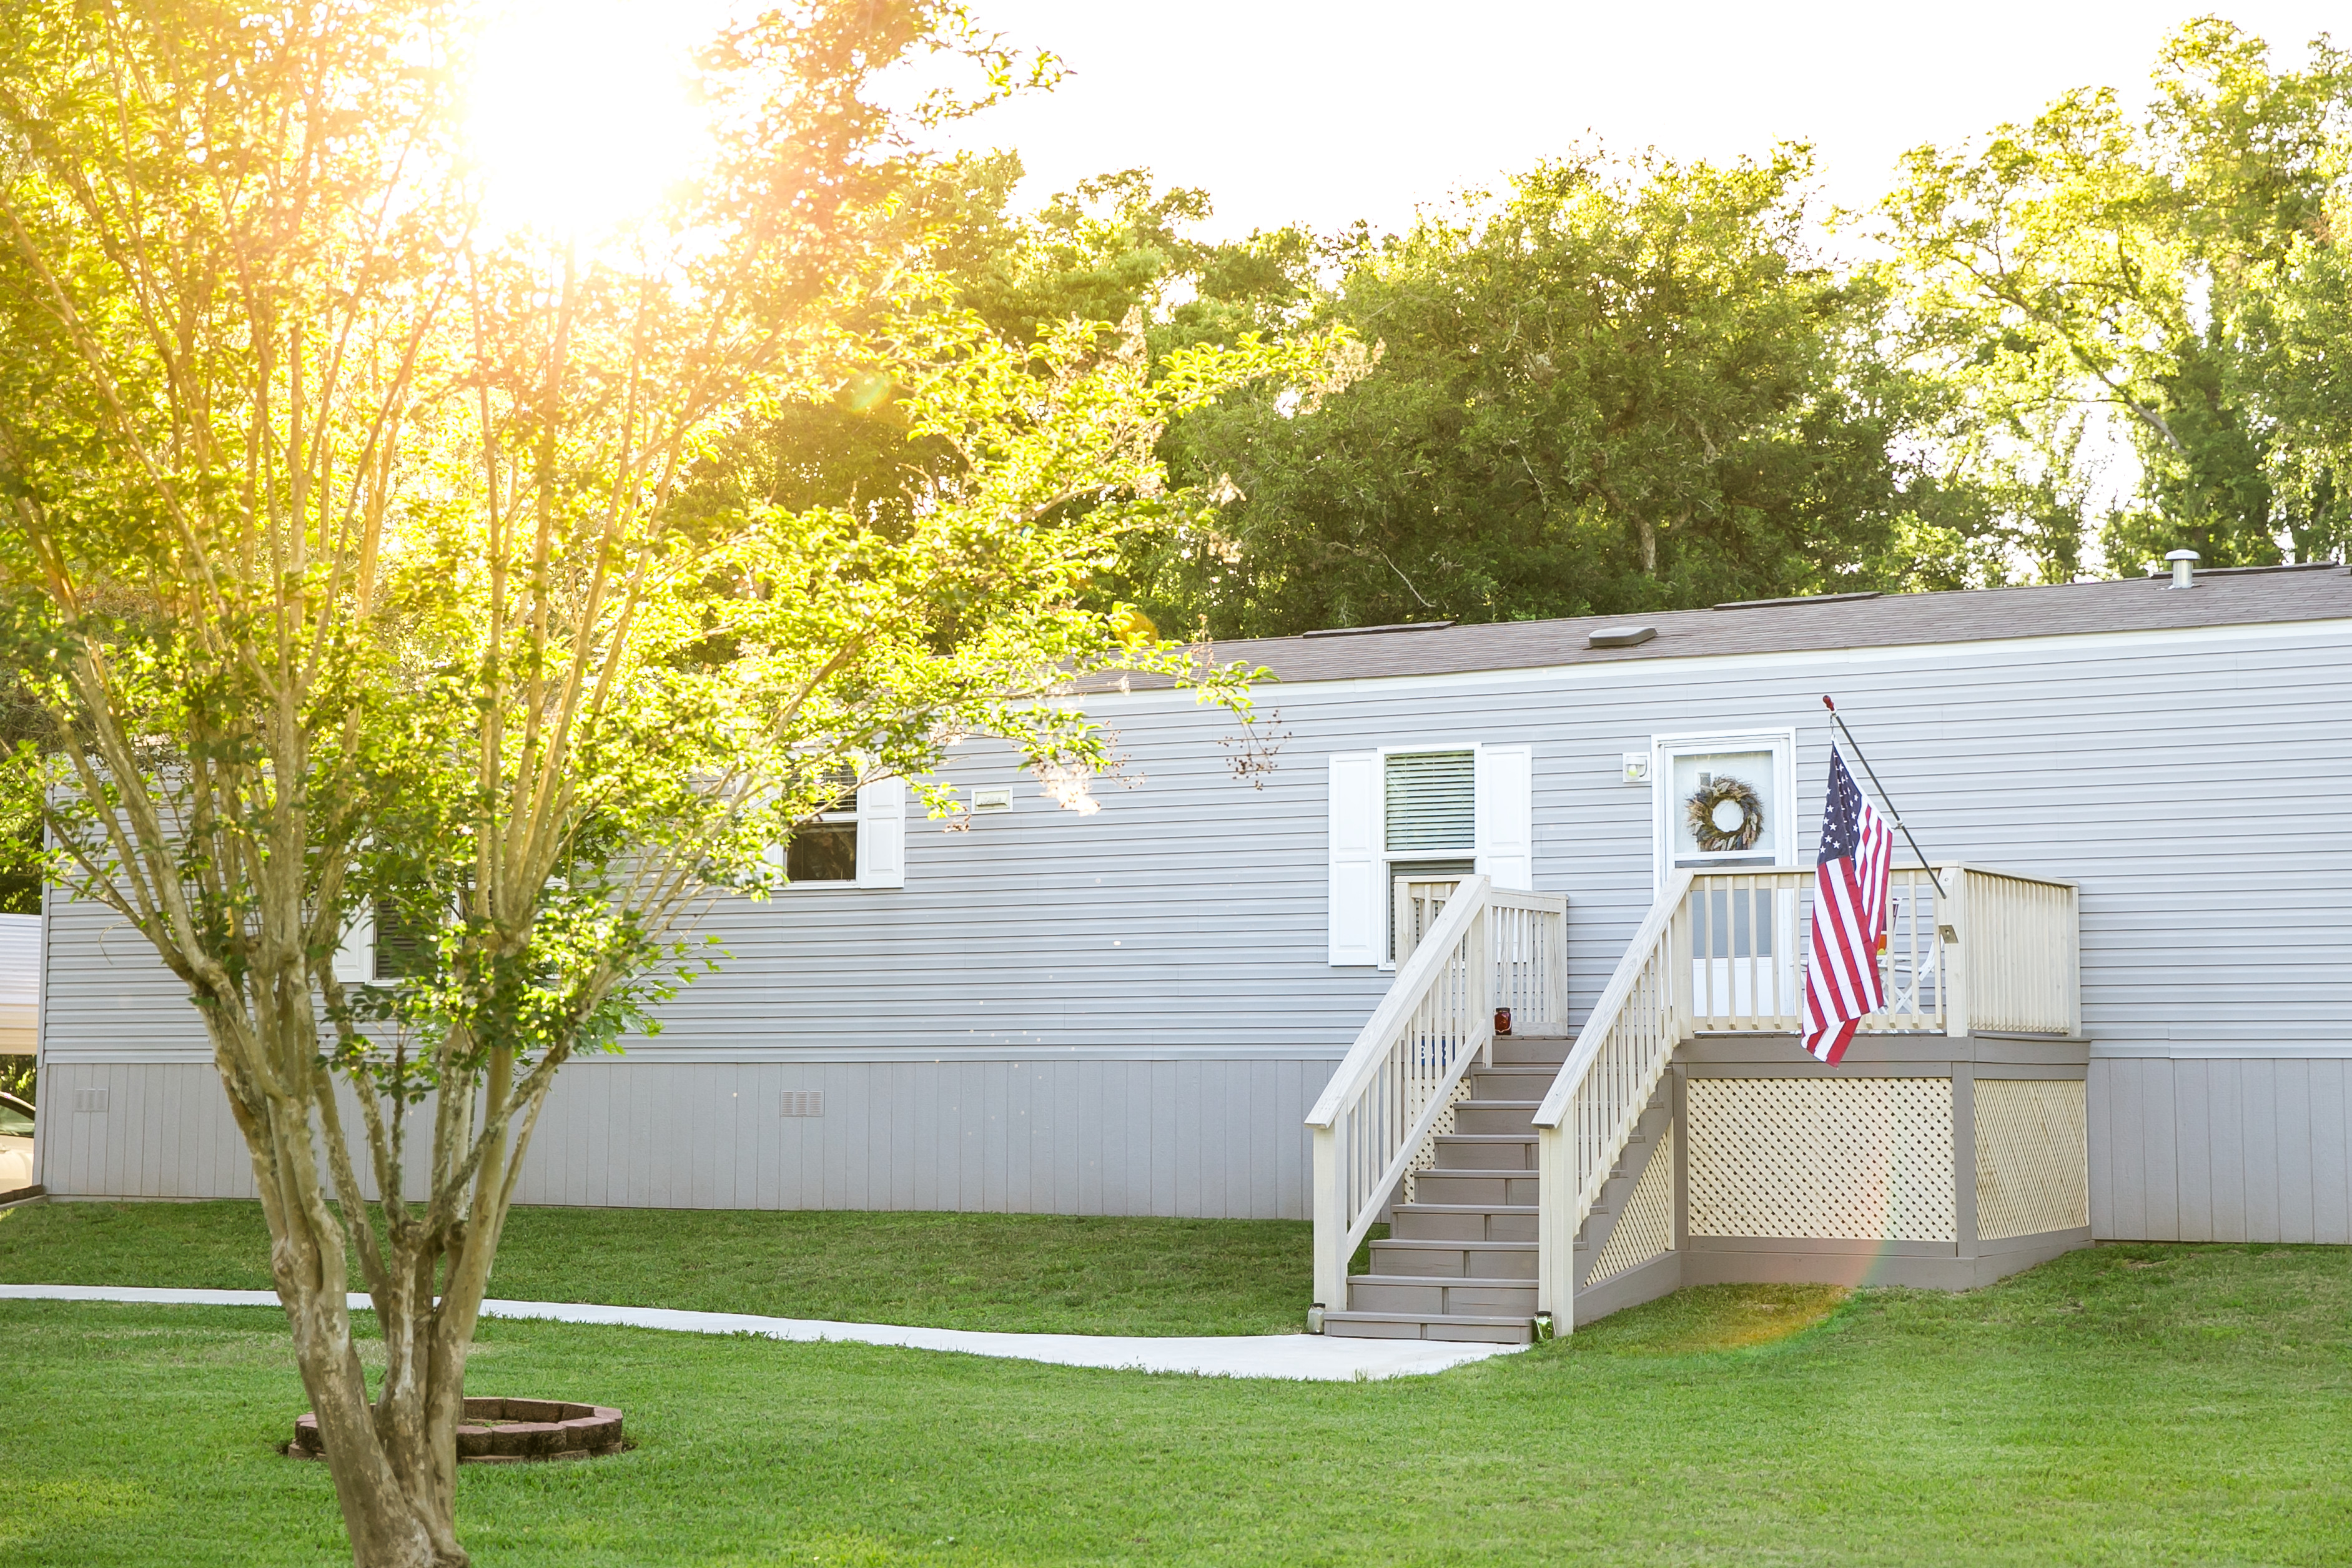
(2184, 568)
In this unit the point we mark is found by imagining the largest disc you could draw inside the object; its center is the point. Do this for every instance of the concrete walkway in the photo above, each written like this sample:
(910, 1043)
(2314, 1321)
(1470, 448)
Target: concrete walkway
(1310, 1357)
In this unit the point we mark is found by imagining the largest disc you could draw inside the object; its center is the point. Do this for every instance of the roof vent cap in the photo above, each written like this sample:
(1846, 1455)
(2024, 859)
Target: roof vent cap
(1619, 636)
(2184, 568)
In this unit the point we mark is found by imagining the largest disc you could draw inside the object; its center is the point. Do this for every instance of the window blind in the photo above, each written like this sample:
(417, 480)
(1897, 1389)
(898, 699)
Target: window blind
(1431, 801)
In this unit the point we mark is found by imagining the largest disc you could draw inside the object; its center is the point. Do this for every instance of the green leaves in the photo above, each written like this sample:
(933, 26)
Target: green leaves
(1604, 390)
(2089, 276)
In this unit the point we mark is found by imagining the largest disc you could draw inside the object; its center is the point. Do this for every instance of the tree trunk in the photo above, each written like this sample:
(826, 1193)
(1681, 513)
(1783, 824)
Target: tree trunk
(393, 1460)
(387, 1527)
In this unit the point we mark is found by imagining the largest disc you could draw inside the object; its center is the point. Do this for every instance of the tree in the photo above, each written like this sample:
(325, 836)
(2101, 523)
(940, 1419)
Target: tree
(2088, 269)
(365, 563)
(1604, 391)
(1115, 246)
(2291, 379)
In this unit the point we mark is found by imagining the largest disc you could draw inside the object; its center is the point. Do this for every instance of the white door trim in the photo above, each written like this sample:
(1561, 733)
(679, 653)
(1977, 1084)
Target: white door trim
(1781, 741)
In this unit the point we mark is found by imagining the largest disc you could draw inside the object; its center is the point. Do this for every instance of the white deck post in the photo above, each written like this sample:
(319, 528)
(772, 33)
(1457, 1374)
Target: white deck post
(1556, 1190)
(1483, 929)
(1330, 1225)
(1555, 927)
(2073, 978)
(1952, 911)
(1682, 966)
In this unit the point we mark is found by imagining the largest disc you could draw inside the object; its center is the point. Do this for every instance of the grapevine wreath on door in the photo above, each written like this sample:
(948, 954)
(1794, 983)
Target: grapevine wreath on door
(1725, 815)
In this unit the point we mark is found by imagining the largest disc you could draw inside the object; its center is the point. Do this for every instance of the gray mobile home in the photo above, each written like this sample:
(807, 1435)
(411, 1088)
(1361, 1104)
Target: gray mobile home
(2120, 988)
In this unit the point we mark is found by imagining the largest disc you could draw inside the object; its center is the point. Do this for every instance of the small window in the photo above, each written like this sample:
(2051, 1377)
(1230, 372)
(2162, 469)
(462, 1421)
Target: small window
(824, 849)
(1432, 799)
(1429, 828)
(405, 949)
(1418, 815)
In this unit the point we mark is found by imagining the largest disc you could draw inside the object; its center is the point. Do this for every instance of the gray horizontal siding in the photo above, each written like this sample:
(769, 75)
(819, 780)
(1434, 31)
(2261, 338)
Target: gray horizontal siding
(2222, 1149)
(2191, 784)
(1205, 1139)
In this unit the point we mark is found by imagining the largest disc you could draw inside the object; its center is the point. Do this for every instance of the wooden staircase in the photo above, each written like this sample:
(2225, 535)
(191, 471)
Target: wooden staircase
(1459, 1262)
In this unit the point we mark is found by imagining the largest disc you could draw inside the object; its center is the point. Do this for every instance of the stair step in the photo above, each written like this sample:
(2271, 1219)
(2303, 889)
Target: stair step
(1444, 1260)
(1515, 1116)
(1448, 1297)
(1486, 1151)
(1464, 1222)
(1483, 1189)
(1538, 1049)
(1509, 1082)
(1484, 1330)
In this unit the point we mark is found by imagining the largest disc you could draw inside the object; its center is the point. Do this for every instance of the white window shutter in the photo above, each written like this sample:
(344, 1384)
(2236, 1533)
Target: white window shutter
(1506, 815)
(1359, 904)
(882, 833)
(356, 955)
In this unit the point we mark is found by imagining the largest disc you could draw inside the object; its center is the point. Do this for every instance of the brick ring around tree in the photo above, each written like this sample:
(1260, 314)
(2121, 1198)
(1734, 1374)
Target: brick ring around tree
(508, 1432)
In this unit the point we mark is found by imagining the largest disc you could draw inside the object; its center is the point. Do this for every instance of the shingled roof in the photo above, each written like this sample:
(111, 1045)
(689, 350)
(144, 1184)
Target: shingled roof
(2223, 597)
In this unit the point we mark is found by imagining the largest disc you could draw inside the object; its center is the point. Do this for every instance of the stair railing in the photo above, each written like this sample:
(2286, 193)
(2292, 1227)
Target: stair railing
(1383, 1102)
(1612, 1070)
(1476, 950)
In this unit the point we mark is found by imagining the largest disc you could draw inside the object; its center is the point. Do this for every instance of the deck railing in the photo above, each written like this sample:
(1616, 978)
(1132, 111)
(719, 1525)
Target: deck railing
(1747, 930)
(1529, 940)
(1466, 949)
(1719, 952)
(1528, 937)
(2016, 952)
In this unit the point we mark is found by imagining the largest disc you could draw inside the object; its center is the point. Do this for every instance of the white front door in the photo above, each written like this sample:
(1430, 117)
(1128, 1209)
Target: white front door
(1725, 803)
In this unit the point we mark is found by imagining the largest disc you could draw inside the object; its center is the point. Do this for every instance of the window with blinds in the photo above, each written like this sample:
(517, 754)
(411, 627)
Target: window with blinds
(406, 949)
(1432, 802)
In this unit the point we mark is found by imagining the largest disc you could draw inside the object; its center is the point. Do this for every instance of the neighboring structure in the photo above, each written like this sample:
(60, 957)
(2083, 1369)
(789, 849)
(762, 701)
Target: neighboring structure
(20, 984)
(1135, 1012)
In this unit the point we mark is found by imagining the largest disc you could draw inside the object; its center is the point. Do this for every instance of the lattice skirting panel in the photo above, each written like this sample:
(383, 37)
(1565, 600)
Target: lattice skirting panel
(1646, 1228)
(2032, 1157)
(1849, 1159)
(1426, 1156)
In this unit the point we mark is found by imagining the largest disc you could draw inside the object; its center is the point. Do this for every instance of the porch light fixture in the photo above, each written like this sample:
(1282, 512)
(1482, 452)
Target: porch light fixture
(2184, 569)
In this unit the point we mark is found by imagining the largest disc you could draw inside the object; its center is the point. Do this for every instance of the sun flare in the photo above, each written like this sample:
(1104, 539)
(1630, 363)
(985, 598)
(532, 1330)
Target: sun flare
(582, 110)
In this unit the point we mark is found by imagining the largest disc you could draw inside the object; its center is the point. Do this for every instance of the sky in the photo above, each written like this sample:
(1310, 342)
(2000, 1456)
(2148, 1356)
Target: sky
(1320, 112)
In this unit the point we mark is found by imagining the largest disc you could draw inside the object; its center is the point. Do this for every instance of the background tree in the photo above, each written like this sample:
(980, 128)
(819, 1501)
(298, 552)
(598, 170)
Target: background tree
(2090, 272)
(1116, 247)
(1606, 389)
(364, 562)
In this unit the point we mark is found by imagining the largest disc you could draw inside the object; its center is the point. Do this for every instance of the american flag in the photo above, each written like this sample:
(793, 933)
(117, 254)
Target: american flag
(1841, 984)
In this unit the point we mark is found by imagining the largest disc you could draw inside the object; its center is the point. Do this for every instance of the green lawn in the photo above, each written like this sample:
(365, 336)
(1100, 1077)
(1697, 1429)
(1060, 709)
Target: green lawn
(2187, 1404)
(1032, 1272)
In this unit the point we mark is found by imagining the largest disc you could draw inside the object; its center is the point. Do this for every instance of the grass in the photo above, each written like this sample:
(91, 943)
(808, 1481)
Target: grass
(1021, 1272)
(2127, 1405)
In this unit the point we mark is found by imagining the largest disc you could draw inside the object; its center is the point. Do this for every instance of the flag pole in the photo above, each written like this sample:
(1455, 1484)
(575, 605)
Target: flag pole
(1839, 719)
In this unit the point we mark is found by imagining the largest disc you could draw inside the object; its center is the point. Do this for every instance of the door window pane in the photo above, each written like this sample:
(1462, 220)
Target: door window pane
(1723, 808)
